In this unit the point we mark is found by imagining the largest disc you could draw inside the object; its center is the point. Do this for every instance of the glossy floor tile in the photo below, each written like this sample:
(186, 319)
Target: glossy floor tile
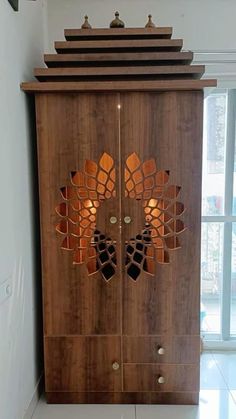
(44, 411)
(214, 404)
(211, 376)
(217, 398)
(226, 363)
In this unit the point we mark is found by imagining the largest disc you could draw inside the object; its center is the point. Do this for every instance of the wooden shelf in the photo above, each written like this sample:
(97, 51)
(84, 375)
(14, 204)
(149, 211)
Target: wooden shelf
(129, 59)
(50, 74)
(114, 33)
(95, 59)
(119, 45)
(118, 86)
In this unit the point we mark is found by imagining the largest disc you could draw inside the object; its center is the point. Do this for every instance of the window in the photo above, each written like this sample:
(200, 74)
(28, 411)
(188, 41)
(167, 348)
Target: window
(218, 262)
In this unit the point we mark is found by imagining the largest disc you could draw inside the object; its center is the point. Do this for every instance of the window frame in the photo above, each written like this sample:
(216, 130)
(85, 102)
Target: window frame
(227, 219)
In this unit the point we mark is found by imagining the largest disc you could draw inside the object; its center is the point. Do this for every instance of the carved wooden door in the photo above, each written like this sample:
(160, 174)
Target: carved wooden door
(161, 190)
(78, 142)
(117, 173)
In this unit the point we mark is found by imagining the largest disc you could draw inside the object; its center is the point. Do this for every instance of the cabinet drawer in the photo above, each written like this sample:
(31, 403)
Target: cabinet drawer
(155, 377)
(82, 363)
(161, 349)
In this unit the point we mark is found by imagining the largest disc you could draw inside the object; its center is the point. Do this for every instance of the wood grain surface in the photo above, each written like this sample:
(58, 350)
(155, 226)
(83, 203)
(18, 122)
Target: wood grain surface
(177, 349)
(150, 397)
(118, 86)
(71, 129)
(82, 363)
(90, 323)
(47, 74)
(140, 377)
(56, 60)
(119, 45)
(161, 126)
(127, 33)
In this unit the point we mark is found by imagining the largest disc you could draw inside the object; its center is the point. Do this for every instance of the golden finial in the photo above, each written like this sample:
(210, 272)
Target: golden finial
(150, 23)
(86, 24)
(117, 23)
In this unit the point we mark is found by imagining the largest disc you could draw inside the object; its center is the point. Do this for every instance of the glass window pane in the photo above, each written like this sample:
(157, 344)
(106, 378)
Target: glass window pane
(234, 184)
(211, 277)
(214, 154)
(233, 283)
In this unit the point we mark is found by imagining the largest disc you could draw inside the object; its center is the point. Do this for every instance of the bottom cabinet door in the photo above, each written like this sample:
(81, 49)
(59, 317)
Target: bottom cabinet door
(143, 377)
(83, 363)
(161, 349)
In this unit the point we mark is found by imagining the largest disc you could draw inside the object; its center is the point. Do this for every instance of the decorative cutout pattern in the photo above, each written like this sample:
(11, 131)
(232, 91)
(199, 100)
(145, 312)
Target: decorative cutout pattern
(143, 182)
(78, 212)
(102, 256)
(161, 213)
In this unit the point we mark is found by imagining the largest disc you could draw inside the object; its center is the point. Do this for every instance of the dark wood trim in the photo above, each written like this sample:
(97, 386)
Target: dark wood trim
(184, 57)
(127, 33)
(107, 45)
(185, 398)
(47, 74)
(128, 86)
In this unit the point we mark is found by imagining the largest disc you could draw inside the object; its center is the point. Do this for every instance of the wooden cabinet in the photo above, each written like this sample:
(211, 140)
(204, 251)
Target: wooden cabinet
(166, 349)
(155, 377)
(83, 363)
(120, 196)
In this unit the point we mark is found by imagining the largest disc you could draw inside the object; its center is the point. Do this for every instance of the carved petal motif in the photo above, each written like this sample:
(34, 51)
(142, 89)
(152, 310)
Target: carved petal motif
(161, 210)
(78, 211)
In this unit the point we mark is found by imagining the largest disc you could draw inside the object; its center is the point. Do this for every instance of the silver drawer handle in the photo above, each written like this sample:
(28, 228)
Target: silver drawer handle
(127, 219)
(113, 220)
(161, 380)
(115, 366)
(161, 351)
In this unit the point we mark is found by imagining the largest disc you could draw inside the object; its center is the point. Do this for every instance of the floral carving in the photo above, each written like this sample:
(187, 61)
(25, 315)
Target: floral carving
(162, 211)
(78, 212)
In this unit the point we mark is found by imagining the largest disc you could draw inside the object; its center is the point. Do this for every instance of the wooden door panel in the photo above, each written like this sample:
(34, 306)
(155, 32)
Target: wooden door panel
(161, 349)
(164, 130)
(74, 132)
(146, 306)
(141, 377)
(82, 364)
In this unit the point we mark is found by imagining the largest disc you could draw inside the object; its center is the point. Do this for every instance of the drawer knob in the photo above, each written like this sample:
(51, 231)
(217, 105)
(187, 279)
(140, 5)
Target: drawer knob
(161, 380)
(115, 366)
(127, 219)
(160, 351)
(113, 220)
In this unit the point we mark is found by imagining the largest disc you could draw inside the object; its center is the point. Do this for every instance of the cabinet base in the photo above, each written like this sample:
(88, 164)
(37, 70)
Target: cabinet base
(126, 398)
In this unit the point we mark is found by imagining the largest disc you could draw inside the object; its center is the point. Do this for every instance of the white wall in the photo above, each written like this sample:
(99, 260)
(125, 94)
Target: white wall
(204, 24)
(21, 48)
